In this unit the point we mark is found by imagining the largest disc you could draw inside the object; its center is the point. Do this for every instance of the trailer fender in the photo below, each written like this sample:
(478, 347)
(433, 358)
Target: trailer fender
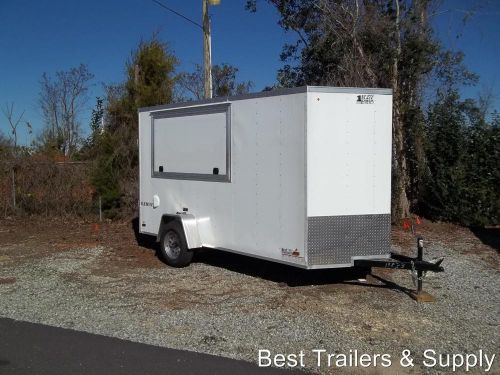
(189, 225)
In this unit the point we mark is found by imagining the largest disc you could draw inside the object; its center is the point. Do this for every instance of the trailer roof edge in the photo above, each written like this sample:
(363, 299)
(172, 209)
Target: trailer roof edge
(277, 92)
(350, 90)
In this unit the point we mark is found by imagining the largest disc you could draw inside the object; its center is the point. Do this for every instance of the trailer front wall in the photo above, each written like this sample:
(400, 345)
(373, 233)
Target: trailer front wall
(348, 175)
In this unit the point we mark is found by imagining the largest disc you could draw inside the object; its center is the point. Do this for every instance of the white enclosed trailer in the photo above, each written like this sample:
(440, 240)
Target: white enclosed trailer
(299, 176)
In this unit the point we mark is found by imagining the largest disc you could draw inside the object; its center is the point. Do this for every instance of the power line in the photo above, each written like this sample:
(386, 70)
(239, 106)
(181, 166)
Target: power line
(177, 13)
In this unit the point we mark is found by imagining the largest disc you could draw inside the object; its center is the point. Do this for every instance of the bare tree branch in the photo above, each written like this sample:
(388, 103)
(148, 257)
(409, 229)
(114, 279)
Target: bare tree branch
(8, 112)
(62, 100)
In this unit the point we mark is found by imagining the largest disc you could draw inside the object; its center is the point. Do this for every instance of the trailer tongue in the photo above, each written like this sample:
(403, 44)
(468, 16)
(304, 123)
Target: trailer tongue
(417, 265)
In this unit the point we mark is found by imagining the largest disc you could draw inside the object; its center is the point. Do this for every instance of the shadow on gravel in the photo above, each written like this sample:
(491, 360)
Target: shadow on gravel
(148, 242)
(276, 272)
(488, 236)
(291, 276)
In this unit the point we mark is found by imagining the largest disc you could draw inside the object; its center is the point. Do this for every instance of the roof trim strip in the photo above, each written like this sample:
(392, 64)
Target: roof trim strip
(277, 92)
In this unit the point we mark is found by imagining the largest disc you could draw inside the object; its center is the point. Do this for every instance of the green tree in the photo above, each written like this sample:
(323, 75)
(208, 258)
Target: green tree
(462, 151)
(96, 124)
(150, 75)
(150, 81)
(374, 43)
(224, 81)
(89, 148)
(446, 150)
(481, 200)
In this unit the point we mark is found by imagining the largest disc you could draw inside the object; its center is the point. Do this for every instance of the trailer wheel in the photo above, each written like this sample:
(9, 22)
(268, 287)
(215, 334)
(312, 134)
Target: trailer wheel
(173, 247)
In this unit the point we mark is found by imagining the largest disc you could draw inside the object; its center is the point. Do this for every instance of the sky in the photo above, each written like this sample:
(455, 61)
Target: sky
(52, 35)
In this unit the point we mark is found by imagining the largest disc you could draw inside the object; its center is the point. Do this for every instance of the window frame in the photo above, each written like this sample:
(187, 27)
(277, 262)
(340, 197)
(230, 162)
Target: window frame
(193, 111)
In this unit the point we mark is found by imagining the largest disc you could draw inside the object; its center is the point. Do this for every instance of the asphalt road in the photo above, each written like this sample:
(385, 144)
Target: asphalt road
(27, 348)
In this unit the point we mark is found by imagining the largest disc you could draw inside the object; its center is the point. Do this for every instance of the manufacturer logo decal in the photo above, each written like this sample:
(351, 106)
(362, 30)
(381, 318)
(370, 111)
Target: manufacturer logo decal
(364, 99)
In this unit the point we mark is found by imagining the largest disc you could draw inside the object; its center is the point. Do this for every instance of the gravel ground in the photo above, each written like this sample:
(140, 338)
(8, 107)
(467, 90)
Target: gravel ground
(101, 281)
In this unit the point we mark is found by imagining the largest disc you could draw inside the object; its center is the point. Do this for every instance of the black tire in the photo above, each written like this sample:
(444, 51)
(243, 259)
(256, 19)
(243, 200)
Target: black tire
(173, 246)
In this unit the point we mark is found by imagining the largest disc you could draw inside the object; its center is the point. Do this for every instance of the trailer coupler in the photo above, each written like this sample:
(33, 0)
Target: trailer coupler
(417, 265)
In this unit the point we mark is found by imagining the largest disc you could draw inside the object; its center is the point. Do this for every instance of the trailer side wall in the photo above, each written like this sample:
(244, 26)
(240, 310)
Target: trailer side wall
(260, 211)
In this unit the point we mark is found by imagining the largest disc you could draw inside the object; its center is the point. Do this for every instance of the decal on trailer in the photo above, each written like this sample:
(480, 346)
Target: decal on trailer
(365, 99)
(147, 204)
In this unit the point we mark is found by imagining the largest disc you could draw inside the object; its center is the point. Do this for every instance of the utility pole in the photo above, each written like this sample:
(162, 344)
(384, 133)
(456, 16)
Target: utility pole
(207, 51)
(207, 40)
